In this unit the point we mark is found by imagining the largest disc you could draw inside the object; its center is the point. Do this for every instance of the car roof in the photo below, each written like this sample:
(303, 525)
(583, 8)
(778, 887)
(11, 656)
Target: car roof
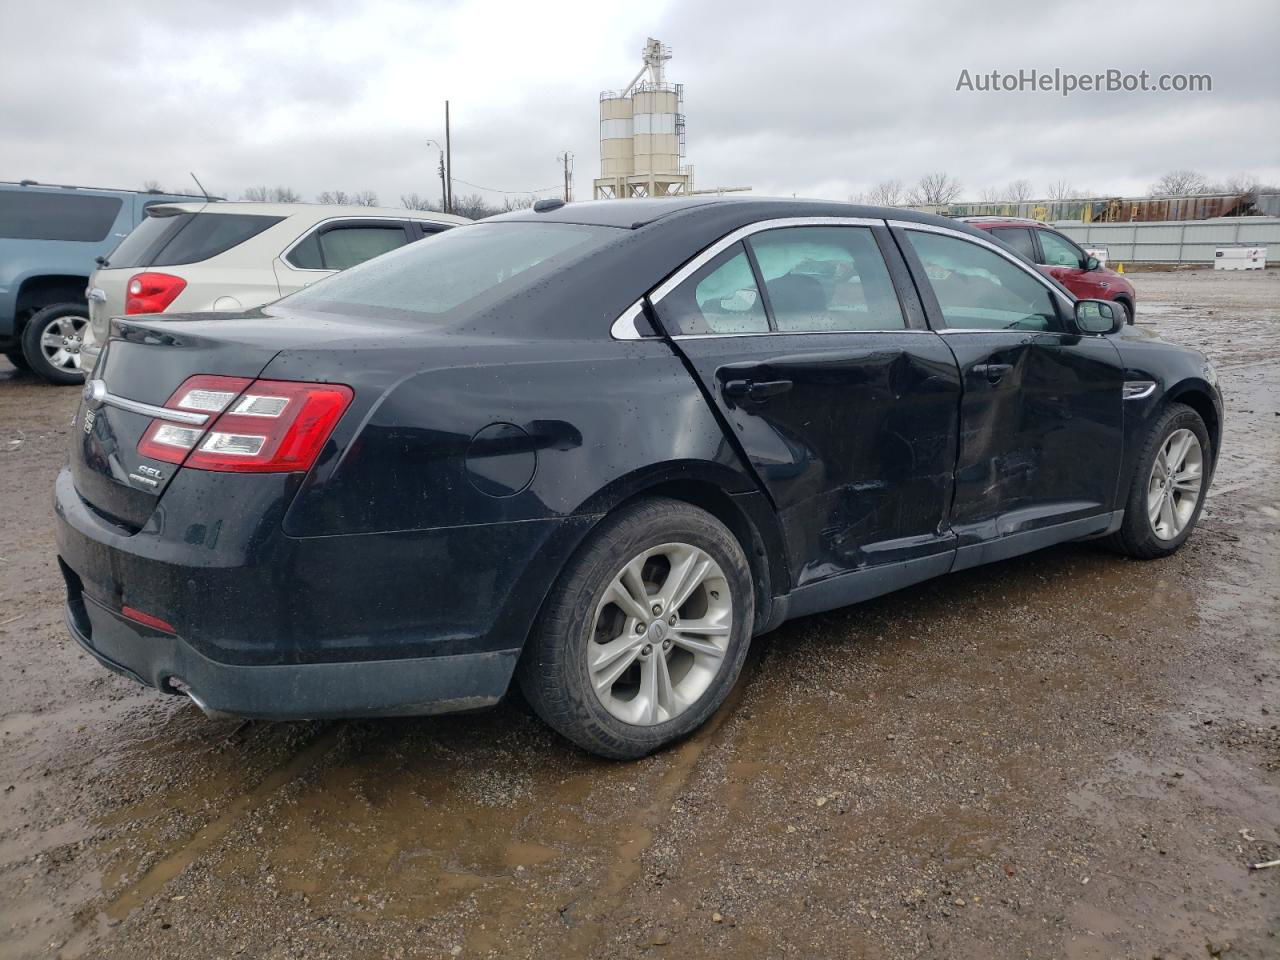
(312, 211)
(995, 221)
(633, 214)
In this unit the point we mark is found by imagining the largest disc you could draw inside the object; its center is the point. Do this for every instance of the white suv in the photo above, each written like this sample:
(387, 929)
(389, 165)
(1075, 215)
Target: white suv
(186, 257)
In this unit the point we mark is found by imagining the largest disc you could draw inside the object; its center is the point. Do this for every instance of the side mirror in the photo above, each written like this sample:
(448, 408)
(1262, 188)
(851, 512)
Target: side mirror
(1099, 316)
(1092, 263)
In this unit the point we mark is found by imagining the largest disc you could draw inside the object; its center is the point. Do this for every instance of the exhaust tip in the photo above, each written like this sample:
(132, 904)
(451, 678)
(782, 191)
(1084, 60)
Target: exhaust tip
(184, 688)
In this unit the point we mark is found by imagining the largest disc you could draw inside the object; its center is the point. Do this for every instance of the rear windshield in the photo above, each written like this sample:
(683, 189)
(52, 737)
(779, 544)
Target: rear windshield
(33, 215)
(472, 266)
(163, 240)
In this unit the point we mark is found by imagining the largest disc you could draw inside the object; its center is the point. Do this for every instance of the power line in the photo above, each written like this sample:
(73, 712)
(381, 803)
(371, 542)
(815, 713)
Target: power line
(496, 190)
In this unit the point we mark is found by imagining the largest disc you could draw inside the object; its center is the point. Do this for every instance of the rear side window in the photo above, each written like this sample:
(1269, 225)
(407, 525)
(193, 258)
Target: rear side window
(1019, 238)
(721, 297)
(826, 279)
(339, 248)
(978, 289)
(33, 215)
(169, 240)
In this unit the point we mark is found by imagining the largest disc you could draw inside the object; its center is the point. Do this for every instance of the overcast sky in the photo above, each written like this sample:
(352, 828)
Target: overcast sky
(818, 98)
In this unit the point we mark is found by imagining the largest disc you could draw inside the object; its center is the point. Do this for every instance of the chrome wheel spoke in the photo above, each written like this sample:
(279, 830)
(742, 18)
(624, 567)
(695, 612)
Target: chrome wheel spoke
(684, 578)
(682, 638)
(608, 668)
(627, 603)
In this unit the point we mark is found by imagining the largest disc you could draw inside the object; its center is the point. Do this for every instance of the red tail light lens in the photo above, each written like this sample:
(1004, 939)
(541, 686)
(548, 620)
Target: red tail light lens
(146, 619)
(254, 426)
(152, 292)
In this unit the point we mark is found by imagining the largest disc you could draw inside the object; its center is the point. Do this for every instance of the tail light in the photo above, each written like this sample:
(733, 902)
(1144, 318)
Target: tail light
(255, 426)
(152, 292)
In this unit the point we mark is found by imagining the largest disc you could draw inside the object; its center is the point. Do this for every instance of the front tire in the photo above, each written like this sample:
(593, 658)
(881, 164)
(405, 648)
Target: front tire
(51, 342)
(1168, 487)
(644, 633)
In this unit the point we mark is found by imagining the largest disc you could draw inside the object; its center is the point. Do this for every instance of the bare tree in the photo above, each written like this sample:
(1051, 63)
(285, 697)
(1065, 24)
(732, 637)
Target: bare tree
(333, 196)
(414, 201)
(365, 198)
(474, 206)
(1062, 190)
(991, 194)
(886, 193)
(935, 189)
(518, 203)
(276, 194)
(1019, 191)
(152, 186)
(1180, 183)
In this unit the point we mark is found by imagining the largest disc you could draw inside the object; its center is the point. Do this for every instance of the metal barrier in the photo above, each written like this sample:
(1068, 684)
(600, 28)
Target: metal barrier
(1176, 241)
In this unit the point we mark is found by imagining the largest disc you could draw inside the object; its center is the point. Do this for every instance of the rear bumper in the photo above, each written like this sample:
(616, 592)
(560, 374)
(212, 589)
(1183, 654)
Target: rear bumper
(266, 625)
(421, 685)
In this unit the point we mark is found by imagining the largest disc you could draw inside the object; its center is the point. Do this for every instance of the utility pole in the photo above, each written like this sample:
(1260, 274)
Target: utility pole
(448, 154)
(567, 159)
(444, 193)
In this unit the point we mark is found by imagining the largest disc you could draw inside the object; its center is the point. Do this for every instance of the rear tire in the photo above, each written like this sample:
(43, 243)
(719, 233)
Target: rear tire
(583, 637)
(51, 342)
(1155, 527)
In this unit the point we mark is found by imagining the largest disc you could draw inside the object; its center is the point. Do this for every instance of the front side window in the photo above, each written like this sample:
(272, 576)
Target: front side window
(978, 289)
(826, 279)
(37, 215)
(1019, 238)
(1059, 251)
(721, 297)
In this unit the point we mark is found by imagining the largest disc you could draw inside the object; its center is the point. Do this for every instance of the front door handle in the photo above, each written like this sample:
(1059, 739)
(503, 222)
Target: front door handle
(757, 390)
(994, 372)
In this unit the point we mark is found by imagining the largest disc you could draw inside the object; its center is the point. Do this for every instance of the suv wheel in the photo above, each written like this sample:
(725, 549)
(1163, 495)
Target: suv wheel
(645, 632)
(51, 342)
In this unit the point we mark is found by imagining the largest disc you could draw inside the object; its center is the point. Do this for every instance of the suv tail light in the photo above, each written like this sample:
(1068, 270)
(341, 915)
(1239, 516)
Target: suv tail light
(152, 292)
(254, 426)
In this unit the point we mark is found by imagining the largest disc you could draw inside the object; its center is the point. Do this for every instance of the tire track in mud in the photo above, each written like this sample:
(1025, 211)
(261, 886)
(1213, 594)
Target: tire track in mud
(628, 853)
(119, 906)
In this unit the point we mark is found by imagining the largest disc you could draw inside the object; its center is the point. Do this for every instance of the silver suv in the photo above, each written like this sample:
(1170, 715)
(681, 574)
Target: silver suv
(195, 257)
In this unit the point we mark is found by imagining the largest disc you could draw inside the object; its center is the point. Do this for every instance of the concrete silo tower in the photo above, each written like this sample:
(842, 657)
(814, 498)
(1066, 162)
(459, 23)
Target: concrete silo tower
(642, 134)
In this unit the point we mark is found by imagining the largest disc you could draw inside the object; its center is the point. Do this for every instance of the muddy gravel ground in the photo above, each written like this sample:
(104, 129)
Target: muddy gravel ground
(1066, 755)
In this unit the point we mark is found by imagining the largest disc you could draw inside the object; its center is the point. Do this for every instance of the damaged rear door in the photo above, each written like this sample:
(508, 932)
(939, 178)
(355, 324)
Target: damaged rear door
(842, 402)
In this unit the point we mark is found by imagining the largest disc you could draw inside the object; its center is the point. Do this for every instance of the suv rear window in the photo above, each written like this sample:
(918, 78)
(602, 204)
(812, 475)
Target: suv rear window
(34, 215)
(168, 239)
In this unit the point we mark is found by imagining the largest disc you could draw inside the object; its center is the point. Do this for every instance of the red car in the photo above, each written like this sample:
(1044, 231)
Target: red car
(1060, 257)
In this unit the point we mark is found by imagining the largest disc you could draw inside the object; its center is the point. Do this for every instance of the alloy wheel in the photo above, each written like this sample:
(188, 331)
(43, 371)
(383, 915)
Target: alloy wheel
(1175, 485)
(660, 634)
(61, 340)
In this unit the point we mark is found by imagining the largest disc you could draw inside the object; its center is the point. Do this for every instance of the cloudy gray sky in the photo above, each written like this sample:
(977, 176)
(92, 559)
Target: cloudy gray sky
(812, 97)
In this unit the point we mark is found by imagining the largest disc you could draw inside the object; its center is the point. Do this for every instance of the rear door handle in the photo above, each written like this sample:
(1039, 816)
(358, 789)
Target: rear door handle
(994, 372)
(757, 390)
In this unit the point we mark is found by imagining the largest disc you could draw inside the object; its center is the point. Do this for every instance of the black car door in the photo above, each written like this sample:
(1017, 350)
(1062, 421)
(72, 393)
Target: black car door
(840, 400)
(1041, 412)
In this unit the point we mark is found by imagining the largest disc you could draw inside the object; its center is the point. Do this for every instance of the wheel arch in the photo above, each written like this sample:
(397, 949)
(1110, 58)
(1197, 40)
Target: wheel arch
(43, 290)
(1198, 395)
(720, 490)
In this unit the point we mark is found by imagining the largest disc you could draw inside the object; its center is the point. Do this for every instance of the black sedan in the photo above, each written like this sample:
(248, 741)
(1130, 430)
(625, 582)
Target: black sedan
(596, 448)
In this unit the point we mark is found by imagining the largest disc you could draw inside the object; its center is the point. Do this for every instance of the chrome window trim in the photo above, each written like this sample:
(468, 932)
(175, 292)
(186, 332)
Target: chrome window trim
(320, 223)
(96, 394)
(624, 327)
